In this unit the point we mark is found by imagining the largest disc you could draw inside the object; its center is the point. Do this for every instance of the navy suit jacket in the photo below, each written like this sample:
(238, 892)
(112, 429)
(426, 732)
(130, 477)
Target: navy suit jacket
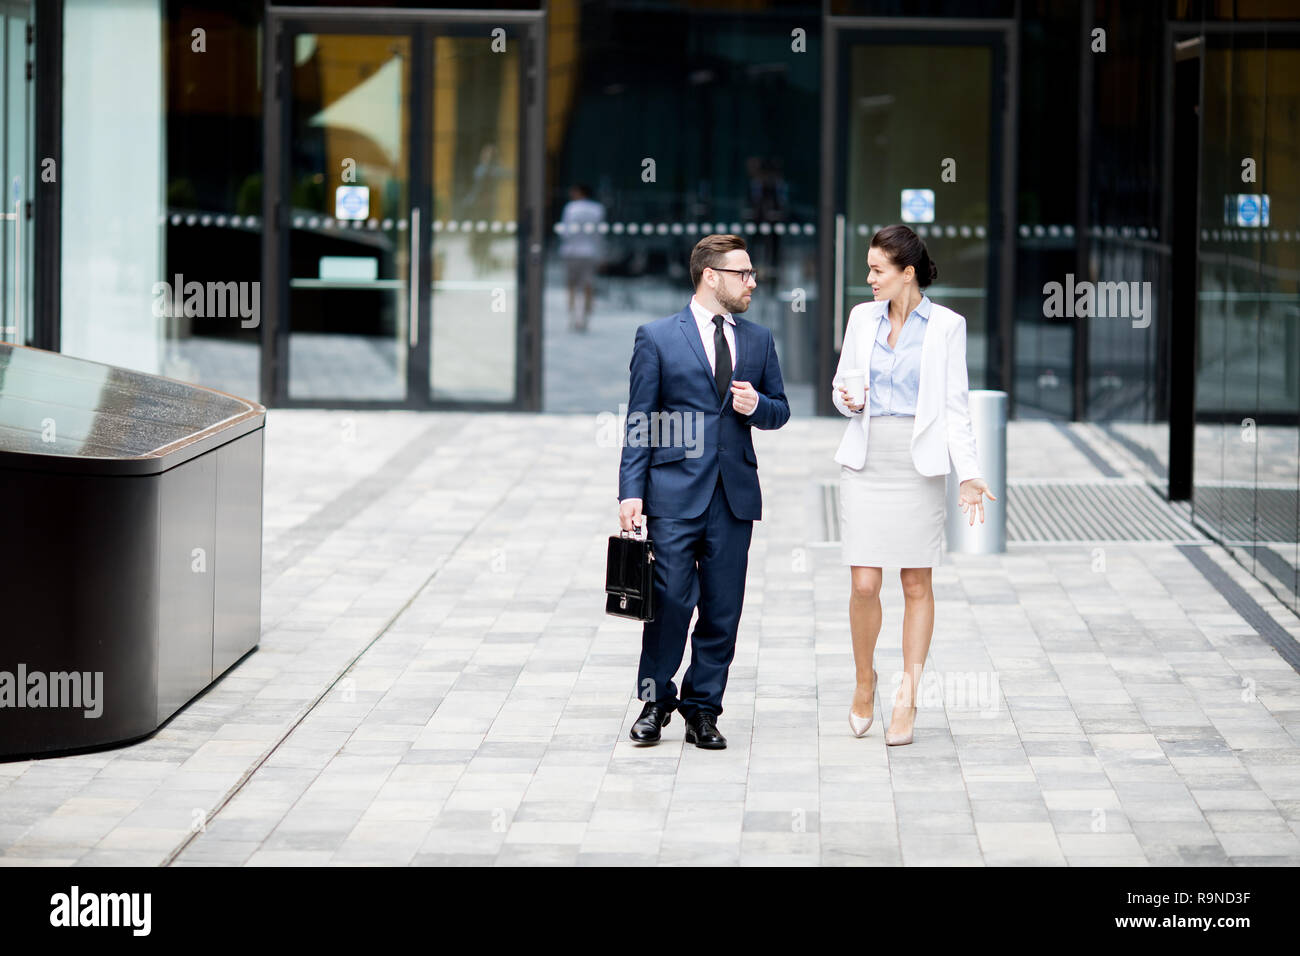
(671, 396)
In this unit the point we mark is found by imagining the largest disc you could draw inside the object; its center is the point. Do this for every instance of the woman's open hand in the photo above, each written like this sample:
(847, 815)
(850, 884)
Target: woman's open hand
(971, 494)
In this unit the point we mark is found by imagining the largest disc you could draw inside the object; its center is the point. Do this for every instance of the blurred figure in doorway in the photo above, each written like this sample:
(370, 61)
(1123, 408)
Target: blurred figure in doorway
(481, 205)
(582, 248)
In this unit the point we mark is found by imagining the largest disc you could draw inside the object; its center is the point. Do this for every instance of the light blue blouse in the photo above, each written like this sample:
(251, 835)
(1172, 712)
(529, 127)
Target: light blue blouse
(896, 372)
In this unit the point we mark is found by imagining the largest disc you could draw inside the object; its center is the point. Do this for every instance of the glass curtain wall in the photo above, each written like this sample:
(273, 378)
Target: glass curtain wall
(1048, 172)
(214, 191)
(1247, 481)
(114, 162)
(1090, 181)
(174, 193)
(161, 184)
(1124, 251)
(680, 122)
(913, 133)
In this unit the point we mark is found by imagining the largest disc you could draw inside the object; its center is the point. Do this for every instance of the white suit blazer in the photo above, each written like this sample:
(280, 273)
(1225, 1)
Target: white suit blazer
(941, 438)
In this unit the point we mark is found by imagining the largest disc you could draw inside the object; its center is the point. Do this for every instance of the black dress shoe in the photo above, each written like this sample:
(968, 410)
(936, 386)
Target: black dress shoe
(702, 730)
(653, 717)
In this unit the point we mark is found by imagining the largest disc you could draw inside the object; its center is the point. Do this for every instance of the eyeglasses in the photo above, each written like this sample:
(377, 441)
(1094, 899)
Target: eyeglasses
(745, 274)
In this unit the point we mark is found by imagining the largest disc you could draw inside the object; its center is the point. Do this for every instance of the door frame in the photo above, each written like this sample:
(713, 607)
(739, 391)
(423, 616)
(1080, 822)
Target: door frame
(284, 20)
(1180, 220)
(837, 32)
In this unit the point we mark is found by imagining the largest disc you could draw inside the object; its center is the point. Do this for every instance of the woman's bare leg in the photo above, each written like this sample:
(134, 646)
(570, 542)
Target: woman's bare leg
(918, 629)
(864, 626)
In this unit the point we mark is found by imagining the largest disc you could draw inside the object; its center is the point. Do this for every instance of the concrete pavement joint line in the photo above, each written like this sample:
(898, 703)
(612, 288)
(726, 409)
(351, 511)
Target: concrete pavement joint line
(360, 495)
(979, 842)
(893, 792)
(1245, 605)
(817, 710)
(248, 774)
(524, 472)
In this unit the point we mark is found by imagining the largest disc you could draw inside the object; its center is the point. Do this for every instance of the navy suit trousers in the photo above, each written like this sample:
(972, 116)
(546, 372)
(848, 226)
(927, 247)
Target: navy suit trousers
(698, 561)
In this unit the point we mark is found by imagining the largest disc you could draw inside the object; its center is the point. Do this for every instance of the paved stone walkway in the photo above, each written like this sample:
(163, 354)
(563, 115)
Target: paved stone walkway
(437, 683)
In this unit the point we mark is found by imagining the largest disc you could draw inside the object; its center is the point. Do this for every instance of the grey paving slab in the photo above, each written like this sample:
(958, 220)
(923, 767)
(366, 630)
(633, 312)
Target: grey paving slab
(437, 685)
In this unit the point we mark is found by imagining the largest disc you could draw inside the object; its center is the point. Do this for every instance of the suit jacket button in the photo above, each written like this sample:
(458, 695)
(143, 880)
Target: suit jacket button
(722, 448)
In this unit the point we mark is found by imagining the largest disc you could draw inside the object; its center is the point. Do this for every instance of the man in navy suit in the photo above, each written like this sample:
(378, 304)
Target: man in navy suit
(700, 497)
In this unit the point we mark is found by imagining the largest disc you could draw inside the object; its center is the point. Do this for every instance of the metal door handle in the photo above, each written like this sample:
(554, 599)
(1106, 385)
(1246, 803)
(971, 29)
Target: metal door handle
(838, 292)
(413, 332)
(18, 266)
(14, 328)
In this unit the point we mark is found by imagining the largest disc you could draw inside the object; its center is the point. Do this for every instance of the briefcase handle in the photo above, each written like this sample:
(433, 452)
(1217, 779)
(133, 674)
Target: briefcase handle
(636, 533)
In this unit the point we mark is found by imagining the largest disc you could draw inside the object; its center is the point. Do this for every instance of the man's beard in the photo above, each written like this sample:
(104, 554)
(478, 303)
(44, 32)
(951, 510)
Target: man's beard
(736, 304)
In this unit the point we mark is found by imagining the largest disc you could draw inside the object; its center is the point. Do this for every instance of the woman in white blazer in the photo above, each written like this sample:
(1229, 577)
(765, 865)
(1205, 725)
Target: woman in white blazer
(894, 457)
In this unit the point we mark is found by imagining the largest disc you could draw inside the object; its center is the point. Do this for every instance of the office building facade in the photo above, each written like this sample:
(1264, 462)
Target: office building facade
(363, 205)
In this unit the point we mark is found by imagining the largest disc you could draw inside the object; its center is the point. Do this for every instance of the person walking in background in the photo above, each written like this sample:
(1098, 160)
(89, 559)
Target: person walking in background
(582, 248)
(902, 382)
(700, 504)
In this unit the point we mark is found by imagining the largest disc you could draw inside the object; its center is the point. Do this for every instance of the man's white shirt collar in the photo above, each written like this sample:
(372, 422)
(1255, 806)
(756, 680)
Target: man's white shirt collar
(704, 317)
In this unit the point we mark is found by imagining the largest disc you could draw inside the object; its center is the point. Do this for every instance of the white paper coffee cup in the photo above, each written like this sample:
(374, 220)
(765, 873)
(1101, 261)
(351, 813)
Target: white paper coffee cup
(855, 383)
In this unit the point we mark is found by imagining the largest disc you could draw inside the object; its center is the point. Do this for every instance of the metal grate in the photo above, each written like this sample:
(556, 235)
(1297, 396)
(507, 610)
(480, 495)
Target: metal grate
(1069, 512)
(1086, 511)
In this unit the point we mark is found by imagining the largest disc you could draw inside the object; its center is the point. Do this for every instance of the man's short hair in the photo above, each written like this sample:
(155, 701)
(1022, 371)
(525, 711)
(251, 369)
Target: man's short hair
(710, 252)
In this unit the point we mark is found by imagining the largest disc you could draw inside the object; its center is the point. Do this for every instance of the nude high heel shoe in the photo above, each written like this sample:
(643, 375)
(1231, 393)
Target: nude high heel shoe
(898, 740)
(860, 725)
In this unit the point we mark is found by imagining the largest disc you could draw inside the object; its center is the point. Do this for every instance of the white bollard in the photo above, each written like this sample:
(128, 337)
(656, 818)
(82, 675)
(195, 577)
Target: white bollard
(988, 419)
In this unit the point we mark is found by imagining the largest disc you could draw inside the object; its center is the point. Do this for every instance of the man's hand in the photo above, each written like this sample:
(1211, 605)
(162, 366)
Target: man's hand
(629, 514)
(743, 397)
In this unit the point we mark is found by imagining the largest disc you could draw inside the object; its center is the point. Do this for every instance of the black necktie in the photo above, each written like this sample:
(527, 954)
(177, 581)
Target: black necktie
(722, 366)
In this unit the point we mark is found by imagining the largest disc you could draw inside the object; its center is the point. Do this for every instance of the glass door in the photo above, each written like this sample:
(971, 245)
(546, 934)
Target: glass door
(403, 281)
(473, 285)
(919, 127)
(352, 228)
(16, 171)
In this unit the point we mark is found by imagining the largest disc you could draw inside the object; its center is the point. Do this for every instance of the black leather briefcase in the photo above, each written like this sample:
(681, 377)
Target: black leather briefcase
(630, 577)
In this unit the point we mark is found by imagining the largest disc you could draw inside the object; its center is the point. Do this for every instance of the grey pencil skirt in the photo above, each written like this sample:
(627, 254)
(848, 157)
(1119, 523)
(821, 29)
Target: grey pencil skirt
(891, 516)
